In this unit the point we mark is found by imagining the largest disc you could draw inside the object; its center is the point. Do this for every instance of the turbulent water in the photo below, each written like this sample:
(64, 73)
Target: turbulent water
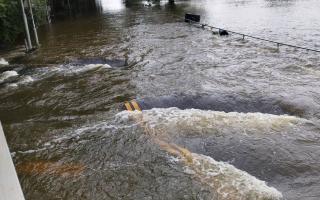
(61, 106)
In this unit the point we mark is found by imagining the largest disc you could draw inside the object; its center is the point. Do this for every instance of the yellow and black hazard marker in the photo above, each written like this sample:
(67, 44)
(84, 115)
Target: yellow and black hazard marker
(132, 106)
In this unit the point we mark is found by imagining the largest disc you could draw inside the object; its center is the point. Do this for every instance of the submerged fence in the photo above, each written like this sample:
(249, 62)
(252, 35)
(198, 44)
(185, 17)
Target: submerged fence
(195, 19)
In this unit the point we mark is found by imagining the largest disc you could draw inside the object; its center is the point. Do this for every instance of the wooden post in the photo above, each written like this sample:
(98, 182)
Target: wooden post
(9, 183)
(29, 44)
(33, 24)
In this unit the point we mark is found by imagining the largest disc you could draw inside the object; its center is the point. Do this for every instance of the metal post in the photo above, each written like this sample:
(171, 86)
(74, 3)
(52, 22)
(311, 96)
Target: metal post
(69, 6)
(29, 44)
(9, 183)
(48, 12)
(26, 44)
(33, 24)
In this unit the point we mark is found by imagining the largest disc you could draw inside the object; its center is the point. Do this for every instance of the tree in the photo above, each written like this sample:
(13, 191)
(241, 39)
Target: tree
(10, 21)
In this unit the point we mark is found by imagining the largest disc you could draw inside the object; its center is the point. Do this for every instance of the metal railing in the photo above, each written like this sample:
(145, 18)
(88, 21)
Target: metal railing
(253, 37)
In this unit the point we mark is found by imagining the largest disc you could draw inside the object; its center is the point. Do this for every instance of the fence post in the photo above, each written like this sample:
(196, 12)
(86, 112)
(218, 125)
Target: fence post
(33, 24)
(29, 44)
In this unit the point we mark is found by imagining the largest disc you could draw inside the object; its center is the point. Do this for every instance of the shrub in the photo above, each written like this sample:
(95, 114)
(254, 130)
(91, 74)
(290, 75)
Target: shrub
(11, 21)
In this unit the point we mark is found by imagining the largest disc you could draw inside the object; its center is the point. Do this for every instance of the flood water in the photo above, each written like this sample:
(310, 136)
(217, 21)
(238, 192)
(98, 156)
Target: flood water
(61, 107)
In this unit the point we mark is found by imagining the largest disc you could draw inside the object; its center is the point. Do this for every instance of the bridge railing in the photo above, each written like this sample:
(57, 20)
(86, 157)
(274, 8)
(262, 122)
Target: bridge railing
(10, 188)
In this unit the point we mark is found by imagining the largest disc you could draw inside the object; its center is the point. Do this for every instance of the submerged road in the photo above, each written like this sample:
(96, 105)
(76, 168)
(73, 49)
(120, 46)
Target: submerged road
(222, 117)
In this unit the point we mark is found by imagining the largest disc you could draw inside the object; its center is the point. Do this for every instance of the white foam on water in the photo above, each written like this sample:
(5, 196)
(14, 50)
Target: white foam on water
(225, 181)
(62, 70)
(7, 74)
(193, 121)
(82, 69)
(25, 79)
(93, 66)
(76, 134)
(147, 3)
(70, 70)
(32, 151)
(21, 81)
(3, 62)
(229, 182)
(12, 85)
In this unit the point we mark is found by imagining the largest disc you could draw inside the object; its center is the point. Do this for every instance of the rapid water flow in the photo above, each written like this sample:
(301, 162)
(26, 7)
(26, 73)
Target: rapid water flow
(61, 106)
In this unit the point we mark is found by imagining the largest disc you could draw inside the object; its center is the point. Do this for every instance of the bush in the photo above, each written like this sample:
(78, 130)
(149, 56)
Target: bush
(11, 21)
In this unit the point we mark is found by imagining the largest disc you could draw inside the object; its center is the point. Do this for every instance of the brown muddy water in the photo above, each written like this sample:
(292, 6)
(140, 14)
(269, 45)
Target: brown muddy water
(256, 137)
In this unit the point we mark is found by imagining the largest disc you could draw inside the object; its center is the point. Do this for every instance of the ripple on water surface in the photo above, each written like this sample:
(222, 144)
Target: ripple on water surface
(69, 146)
(178, 154)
